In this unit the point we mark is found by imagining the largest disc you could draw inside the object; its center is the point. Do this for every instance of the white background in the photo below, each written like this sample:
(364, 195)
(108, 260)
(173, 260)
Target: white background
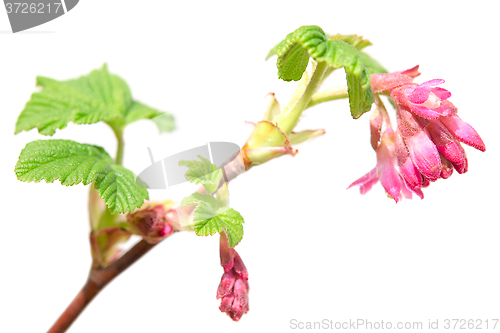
(314, 250)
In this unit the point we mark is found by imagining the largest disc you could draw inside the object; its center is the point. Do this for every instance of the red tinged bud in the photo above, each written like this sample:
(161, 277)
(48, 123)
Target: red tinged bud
(150, 223)
(233, 288)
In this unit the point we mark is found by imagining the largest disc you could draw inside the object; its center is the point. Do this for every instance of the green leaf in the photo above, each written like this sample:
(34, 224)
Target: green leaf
(293, 56)
(137, 111)
(372, 65)
(73, 163)
(228, 220)
(203, 172)
(357, 41)
(70, 162)
(117, 187)
(293, 51)
(206, 205)
(209, 219)
(85, 100)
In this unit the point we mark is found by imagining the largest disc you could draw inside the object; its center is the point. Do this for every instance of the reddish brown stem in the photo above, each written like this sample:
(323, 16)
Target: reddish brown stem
(98, 278)
(88, 292)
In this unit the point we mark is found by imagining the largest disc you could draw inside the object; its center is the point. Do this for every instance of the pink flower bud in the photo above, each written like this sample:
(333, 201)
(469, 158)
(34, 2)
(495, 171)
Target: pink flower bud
(150, 223)
(233, 288)
(239, 267)
(424, 155)
(463, 132)
(447, 169)
(226, 303)
(226, 285)
(447, 145)
(409, 124)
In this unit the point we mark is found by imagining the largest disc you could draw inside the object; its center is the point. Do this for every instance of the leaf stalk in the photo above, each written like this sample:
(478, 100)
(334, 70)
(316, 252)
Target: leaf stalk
(287, 120)
(120, 145)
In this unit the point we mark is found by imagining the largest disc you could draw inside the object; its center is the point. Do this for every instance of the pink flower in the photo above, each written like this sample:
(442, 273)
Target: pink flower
(386, 171)
(233, 288)
(424, 100)
(407, 169)
(150, 223)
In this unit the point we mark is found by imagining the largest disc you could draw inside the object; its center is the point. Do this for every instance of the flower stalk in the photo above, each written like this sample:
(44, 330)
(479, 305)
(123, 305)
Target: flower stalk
(327, 95)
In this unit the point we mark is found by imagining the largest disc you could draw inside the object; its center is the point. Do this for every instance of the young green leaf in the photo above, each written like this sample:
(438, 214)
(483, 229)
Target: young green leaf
(73, 163)
(137, 111)
(203, 172)
(117, 187)
(226, 219)
(206, 205)
(293, 56)
(98, 96)
(85, 100)
(357, 41)
(70, 162)
(209, 219)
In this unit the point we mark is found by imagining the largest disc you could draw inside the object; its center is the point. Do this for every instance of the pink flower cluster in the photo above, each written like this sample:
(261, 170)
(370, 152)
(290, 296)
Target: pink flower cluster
(426, 144)
(233, 288)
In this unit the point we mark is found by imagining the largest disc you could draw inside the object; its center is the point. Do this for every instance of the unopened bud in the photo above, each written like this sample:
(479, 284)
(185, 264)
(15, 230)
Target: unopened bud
(233, 288)
(150, 223)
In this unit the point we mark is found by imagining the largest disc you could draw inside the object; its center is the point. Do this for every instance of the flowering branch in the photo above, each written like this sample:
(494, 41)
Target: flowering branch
(423, 147)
